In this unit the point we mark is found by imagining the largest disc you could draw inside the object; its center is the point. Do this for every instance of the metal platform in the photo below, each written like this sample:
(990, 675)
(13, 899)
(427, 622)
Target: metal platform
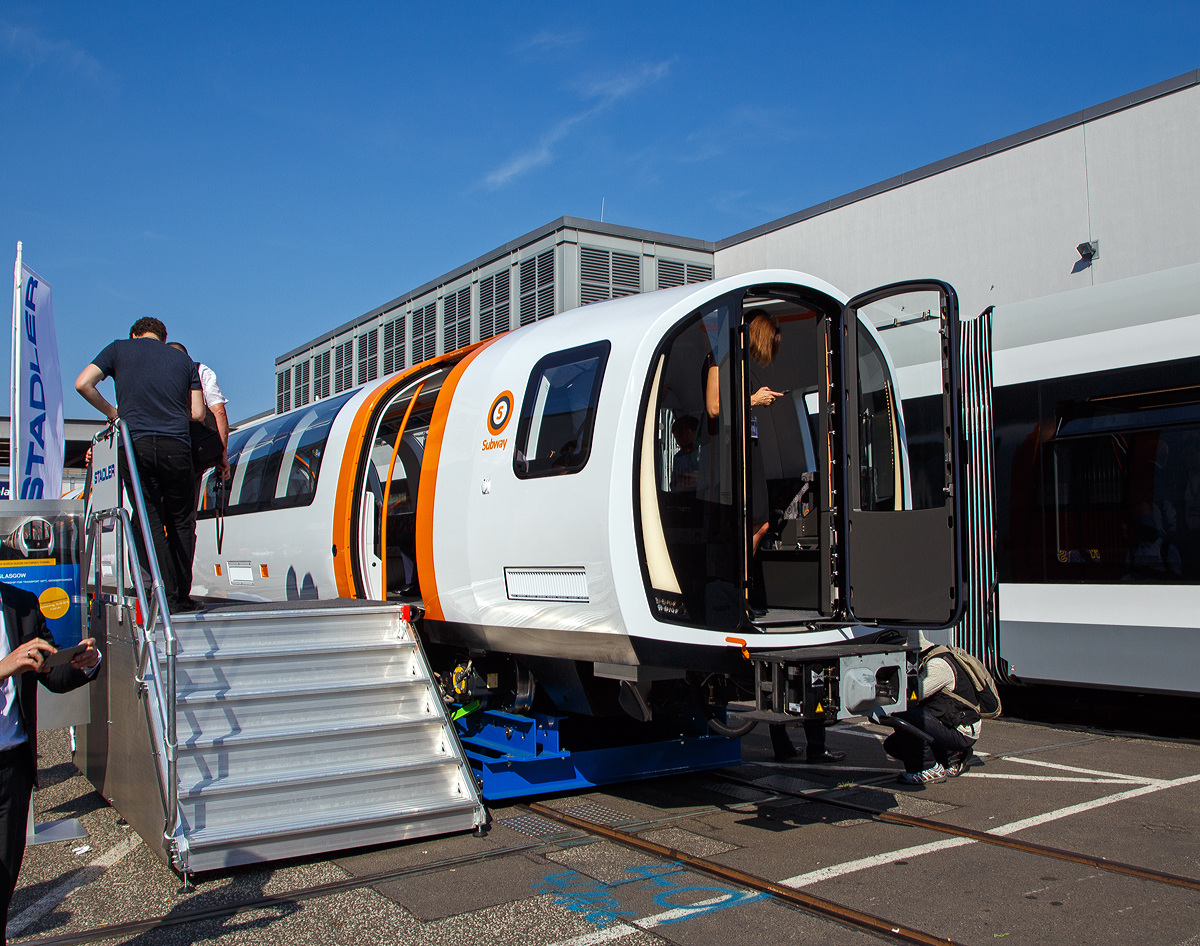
(522, 756)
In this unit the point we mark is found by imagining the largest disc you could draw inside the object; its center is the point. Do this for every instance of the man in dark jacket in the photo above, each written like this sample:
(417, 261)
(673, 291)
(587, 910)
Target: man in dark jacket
(24, 646)
(158, 395)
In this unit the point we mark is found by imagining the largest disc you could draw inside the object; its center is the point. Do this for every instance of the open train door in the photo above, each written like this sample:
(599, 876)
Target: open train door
(898, 521)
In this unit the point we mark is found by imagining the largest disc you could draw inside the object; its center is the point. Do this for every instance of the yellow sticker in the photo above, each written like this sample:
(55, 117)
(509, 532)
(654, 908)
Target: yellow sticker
(54, 602)
(818, 709)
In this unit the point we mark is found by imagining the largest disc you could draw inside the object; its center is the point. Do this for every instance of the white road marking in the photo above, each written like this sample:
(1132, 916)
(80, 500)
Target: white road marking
(1050, 778)
(864, 863)
(53, 898)
(1141, 779)
(621, 930)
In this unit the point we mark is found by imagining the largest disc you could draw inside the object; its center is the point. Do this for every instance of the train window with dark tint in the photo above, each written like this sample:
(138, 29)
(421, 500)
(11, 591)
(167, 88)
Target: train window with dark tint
(558, 412)
(273, 465)
(1122, 486)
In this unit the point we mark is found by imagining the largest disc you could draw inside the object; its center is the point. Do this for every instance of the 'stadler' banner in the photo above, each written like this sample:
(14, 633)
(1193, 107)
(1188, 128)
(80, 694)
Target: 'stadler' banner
(36, 438)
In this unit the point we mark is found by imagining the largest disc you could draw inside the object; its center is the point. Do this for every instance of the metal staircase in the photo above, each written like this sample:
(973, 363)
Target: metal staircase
(264, 731)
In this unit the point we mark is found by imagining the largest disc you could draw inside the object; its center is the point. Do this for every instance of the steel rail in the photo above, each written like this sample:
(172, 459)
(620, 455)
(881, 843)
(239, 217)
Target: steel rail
(826, 909)
(1028, 847)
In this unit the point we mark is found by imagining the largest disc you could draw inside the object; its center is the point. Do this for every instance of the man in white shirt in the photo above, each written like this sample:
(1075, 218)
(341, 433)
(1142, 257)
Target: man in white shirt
(215, 401)
(25, 643)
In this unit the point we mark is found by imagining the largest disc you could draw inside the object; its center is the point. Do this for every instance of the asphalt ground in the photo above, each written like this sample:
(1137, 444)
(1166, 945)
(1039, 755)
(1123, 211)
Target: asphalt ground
(1127, 799)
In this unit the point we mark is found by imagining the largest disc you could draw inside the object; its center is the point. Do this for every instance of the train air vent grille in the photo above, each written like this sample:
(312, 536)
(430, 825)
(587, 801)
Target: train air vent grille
(546, 584)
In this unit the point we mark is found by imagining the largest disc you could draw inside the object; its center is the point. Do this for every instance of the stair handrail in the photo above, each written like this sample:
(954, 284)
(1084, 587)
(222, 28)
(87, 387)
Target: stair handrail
(151, 611)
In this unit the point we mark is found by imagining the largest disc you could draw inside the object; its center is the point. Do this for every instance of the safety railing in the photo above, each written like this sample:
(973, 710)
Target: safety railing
(149, 669)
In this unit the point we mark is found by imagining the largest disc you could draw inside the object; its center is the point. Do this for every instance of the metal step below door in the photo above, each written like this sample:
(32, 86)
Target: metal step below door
(306, 727)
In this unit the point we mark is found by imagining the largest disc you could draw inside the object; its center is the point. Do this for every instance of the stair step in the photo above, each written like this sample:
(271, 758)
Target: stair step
(255, 650)
(200, 838)
(316, 754)
(211, 695)
(228, 785)
(244, 807)
(212, 717)
(306, 731)
(256, 673)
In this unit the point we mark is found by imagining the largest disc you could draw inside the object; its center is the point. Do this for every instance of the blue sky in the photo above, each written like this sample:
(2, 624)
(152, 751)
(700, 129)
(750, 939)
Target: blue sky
(255, 174)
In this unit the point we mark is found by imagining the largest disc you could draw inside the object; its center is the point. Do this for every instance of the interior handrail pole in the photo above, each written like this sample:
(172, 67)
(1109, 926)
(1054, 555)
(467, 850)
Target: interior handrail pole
(387, 488)
(160, 601)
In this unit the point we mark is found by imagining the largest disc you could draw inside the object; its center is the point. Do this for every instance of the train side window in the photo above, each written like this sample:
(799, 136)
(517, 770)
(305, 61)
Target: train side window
(558, 412)
(274, 465)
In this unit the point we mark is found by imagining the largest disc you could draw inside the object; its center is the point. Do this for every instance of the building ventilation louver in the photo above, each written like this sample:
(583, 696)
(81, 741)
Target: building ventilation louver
(673, 272)
(424, 333)
(321, 376)
(494, 304)
(343, 367)
(537, 287)
(368, 356)
(456, 319)
(607, 274)
(393, 345)
(300, 387)
(283, 391)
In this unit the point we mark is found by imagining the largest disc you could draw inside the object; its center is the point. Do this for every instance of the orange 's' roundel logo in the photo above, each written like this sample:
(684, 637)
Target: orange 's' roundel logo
(499, 413)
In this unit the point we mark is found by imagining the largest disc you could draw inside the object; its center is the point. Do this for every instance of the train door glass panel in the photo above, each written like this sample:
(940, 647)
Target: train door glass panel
(558, 412)
(690, 505)
(783, 483)
(403, 461)
(900, 427)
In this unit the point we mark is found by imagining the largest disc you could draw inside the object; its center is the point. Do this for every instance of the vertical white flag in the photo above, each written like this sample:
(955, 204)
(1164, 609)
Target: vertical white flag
(36, 439)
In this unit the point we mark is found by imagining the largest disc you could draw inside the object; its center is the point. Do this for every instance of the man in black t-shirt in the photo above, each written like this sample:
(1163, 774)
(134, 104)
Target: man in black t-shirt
(158, 393)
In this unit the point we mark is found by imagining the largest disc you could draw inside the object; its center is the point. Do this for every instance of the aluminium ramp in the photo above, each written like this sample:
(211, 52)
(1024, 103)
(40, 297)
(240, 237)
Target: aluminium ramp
(306, 727)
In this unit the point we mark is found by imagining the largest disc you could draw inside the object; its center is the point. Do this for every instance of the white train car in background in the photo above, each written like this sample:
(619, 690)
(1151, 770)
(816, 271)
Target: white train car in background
(1084, 516)
(566, 504)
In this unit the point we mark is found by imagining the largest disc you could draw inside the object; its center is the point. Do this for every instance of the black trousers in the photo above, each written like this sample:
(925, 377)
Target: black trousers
(164, 467)
(918, 755)
(814, 735)
(16, 785)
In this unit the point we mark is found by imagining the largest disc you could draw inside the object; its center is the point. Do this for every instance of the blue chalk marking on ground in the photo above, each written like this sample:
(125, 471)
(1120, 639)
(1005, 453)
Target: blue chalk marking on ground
(600, 903)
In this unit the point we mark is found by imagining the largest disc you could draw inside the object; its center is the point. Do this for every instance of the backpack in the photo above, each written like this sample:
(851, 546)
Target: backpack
(988, 695)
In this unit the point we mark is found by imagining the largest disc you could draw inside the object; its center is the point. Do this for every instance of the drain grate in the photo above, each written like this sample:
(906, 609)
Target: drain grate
(535, 826)
(598, 814)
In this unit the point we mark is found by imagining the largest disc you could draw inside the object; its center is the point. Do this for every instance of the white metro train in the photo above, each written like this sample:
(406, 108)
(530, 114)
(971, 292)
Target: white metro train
(576, 502)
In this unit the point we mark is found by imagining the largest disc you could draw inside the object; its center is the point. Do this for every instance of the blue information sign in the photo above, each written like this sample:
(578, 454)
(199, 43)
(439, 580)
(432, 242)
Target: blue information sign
(57, 588)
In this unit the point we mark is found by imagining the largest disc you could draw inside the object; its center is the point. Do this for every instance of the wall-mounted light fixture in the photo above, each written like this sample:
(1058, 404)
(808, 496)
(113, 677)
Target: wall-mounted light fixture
(1089, 251)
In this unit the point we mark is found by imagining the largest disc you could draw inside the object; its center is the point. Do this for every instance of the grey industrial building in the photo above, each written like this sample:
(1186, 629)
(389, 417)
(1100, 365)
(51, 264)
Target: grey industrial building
(1001, 222)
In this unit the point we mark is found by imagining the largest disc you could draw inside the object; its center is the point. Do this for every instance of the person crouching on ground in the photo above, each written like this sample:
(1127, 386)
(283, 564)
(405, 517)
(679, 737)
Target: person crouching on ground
(953, 725)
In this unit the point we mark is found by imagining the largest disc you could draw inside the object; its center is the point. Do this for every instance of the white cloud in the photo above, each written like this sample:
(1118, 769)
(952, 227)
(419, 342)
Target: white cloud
(609, 90)
(549, 40)
(31, 47)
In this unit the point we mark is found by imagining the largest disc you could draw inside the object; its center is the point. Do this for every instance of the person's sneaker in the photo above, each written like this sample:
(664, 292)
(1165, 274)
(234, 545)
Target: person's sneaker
(823, 757)
(924, 777)
(958, 765)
